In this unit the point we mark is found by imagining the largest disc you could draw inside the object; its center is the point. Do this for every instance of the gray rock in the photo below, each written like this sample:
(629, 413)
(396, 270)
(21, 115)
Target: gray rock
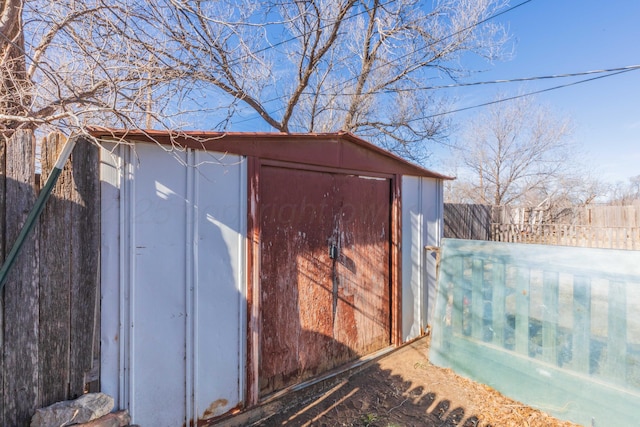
(84, 409)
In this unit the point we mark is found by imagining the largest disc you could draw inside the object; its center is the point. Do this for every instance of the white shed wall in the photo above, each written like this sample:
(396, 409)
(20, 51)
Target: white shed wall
(173, 282)
(422, 224)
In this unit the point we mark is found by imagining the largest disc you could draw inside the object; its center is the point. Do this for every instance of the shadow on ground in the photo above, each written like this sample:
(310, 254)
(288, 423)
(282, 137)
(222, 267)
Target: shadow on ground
(378, 398)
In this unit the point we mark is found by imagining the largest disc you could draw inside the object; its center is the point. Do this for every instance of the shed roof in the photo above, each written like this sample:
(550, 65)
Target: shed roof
(341, 150)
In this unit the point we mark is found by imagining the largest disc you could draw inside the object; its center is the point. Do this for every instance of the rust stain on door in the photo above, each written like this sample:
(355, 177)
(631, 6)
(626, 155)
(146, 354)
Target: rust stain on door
(324, 272)
(213, 409)
(214, 413)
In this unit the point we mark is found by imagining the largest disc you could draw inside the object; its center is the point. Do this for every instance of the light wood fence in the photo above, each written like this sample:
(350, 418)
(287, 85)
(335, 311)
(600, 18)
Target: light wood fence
(568, 235)
(613, 227)
(50, 303)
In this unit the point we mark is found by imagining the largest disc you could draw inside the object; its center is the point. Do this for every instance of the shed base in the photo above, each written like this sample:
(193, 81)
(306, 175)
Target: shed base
(307, 391)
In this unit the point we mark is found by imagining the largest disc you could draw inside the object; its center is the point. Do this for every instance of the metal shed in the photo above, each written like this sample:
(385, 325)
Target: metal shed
(235, 265)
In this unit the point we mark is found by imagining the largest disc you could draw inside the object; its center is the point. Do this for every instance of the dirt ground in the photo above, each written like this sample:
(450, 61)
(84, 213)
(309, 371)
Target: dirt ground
(404, 389)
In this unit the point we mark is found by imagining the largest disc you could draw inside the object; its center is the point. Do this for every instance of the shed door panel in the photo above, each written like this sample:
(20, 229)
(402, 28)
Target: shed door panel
(318, 312)
(362, 267)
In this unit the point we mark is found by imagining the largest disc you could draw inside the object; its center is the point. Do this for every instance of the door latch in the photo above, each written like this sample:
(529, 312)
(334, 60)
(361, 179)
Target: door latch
(333, 251)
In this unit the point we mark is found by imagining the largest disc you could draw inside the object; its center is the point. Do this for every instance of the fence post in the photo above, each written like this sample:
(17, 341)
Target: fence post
(21, 293)
(85, 266)
(55, 252)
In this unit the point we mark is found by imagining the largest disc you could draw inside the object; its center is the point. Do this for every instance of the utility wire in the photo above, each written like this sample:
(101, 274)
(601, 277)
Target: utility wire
(490, 82)
(611, 72)
(489, 18)
(511, 98)
(335, 88)
(520, 79)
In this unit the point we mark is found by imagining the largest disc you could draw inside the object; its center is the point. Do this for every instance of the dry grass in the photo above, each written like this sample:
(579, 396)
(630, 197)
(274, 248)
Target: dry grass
(404, 389)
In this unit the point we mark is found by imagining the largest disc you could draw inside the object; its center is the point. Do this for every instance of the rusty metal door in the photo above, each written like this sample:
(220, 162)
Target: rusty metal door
(325, 288)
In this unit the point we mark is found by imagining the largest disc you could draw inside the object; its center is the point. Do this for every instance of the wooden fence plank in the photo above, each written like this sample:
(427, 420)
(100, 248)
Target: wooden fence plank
(55, 253)
(581, 323)
(467, 221)
(594, 216)
(21, 307)
(85, 264)
(617, 331)
(567, 235)
(49, 330)
(550, 286)
(616, 227)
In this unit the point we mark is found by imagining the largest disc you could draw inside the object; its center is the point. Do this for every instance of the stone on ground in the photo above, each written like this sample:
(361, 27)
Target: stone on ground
(86, 408)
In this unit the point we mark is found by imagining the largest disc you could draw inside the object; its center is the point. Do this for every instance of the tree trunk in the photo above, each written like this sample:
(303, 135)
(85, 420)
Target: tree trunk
(13, 82)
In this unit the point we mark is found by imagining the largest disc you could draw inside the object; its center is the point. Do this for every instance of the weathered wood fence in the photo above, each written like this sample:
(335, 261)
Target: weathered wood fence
(568, 235)
(608, 216)
(467, 221)
(614, 227)
(50, 303)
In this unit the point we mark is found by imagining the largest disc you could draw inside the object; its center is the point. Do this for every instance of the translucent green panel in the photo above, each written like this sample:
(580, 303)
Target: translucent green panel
(556, 328)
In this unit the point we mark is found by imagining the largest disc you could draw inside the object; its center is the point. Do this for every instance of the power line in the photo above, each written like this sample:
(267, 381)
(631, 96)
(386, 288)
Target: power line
(611, 72)
(337, 86)
(490, 82)
(511, 98)
(495, 15)
(399, 58)
(520, 79)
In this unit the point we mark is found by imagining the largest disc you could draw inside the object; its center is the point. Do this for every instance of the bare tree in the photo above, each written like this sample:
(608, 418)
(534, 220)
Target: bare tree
(307, 65)
(515, 152)
(13, 93)
(68, 64)
(626, 193)
(360, 66)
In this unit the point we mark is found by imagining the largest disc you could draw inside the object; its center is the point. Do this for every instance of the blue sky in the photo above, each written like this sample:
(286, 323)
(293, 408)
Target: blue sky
(551, 37)
(566, 36)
